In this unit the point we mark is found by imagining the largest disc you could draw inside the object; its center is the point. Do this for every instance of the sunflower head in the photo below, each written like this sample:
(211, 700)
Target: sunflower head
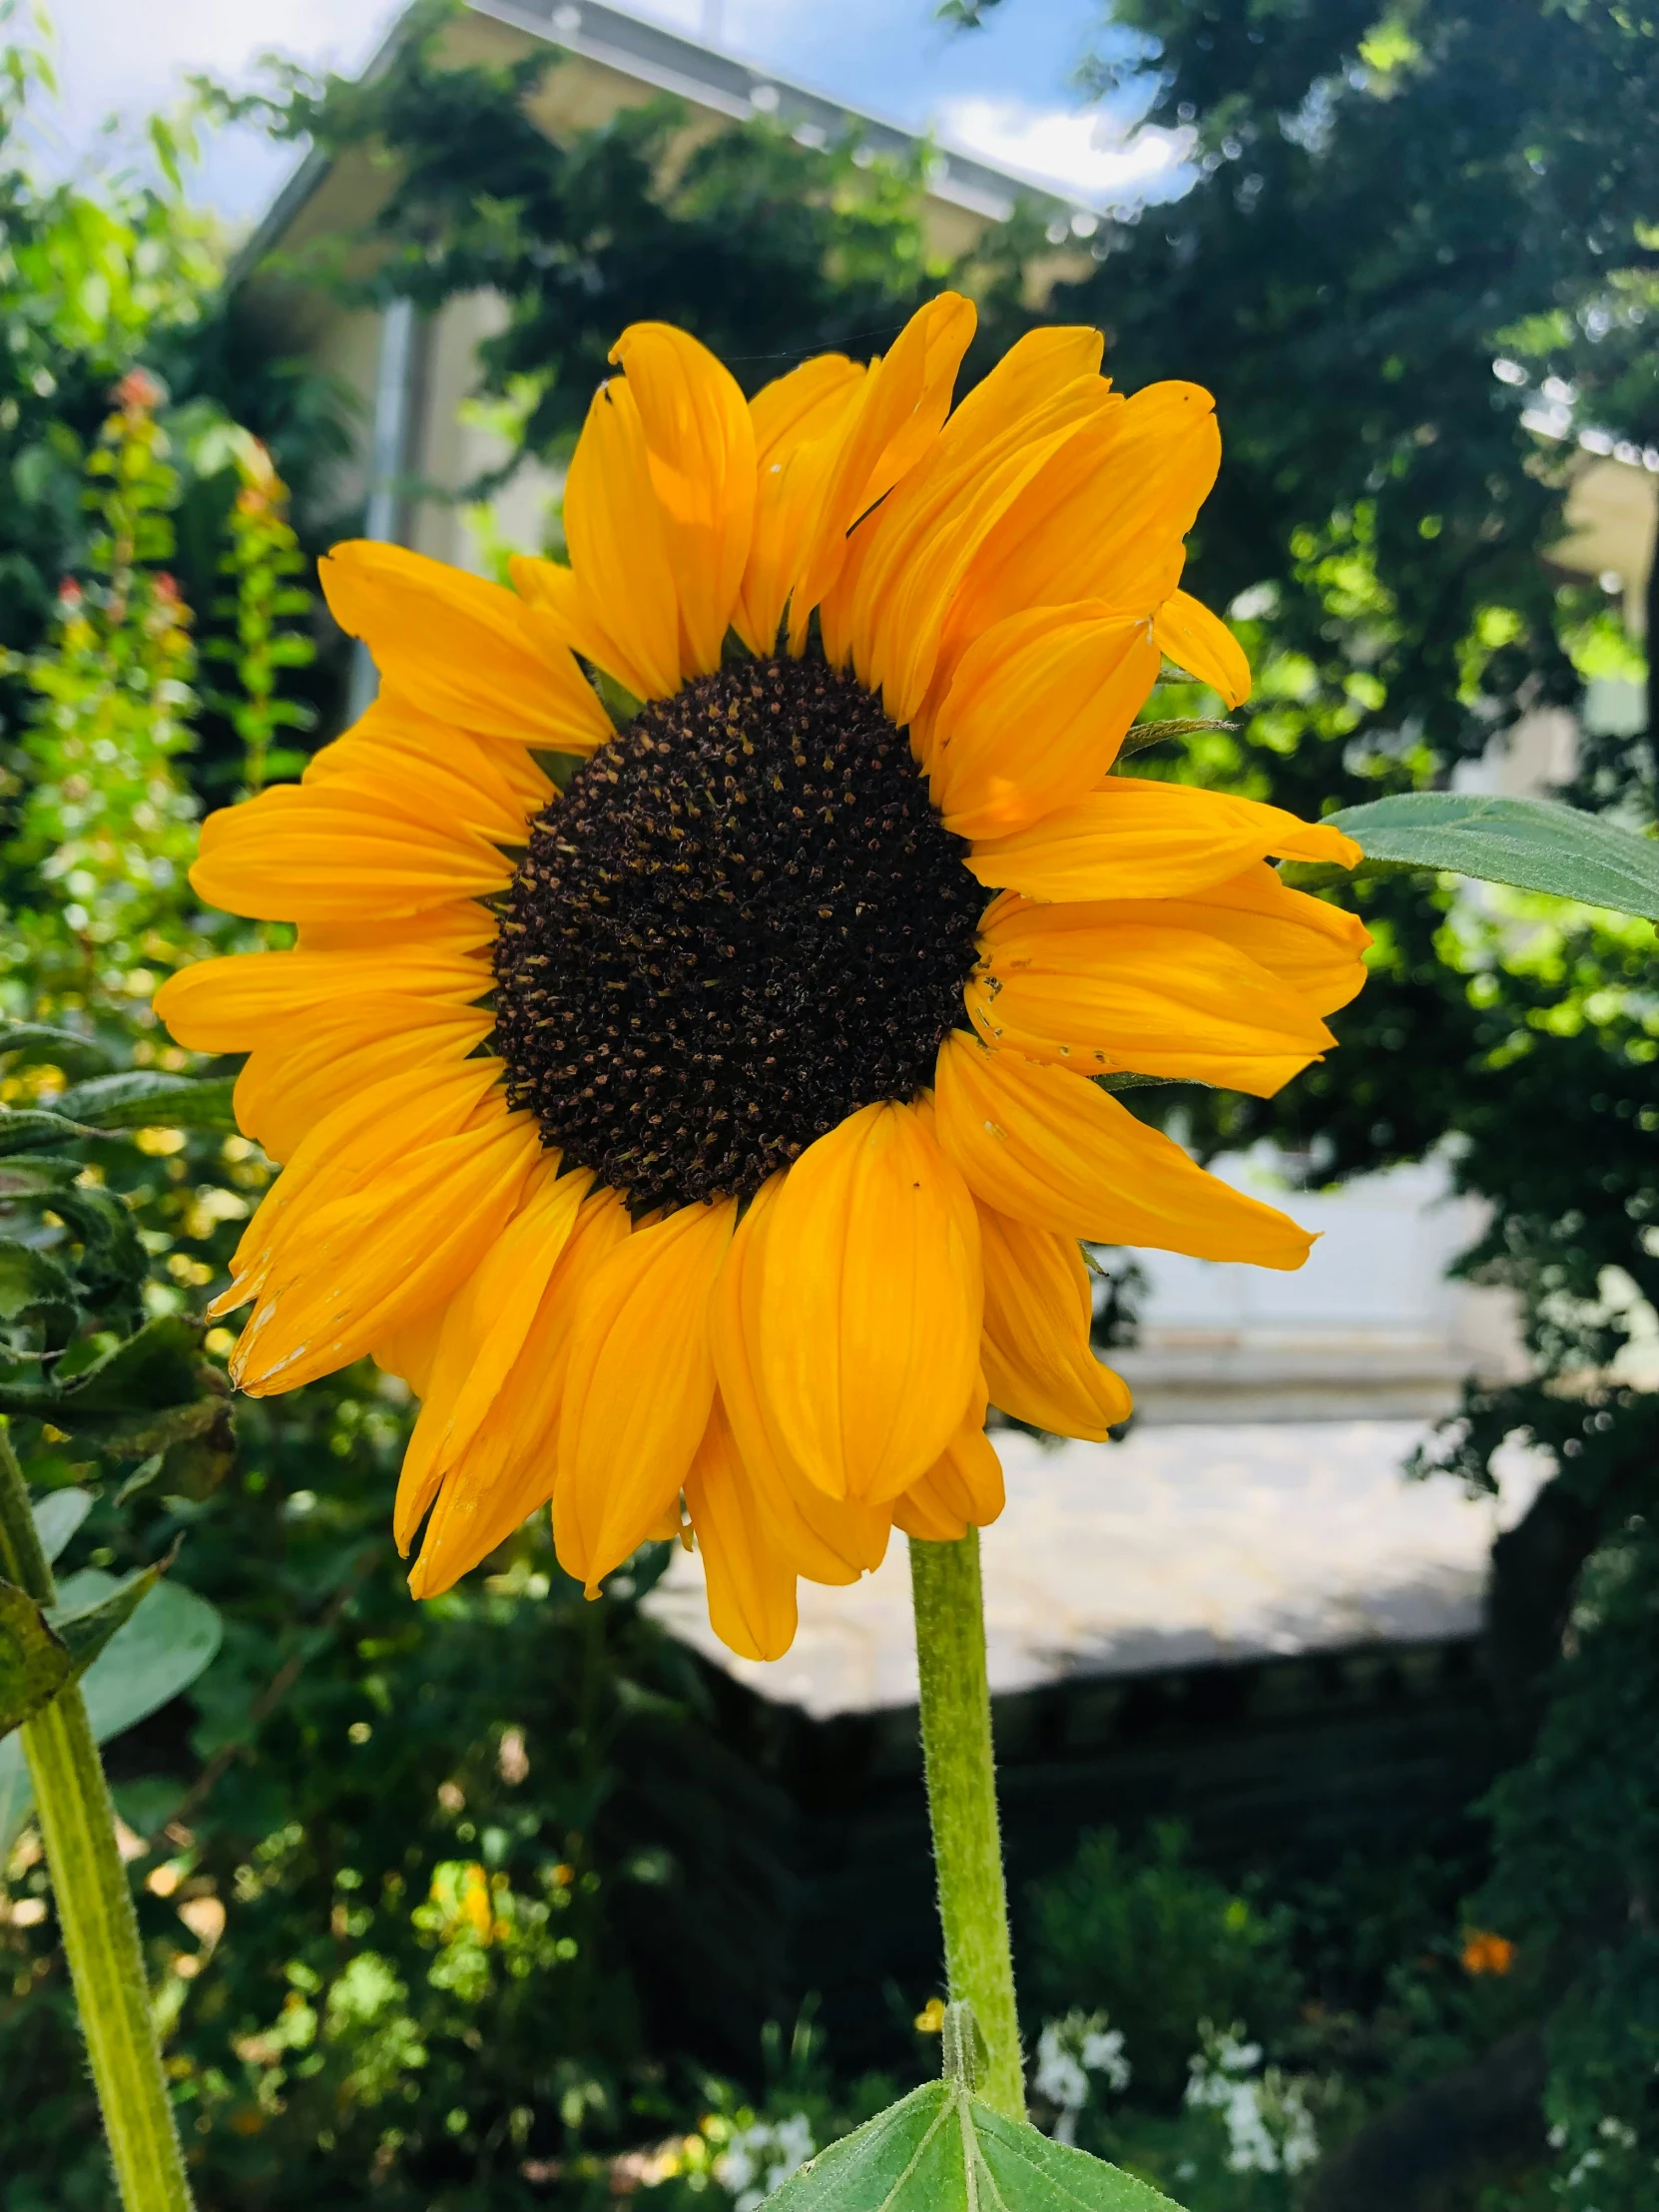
(694, 1070)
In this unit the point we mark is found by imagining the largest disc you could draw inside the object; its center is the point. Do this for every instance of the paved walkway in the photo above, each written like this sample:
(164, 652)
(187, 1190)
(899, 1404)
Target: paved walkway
(1179, 1544)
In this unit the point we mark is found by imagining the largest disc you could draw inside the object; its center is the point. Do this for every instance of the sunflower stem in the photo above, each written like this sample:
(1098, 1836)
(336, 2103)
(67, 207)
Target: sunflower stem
(962, 1802)
(94, 1900)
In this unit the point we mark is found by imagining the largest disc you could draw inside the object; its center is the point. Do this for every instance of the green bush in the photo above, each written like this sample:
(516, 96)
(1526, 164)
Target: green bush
(1161, 1946)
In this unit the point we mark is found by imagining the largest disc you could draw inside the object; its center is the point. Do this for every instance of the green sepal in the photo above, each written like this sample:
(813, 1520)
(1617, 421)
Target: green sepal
(143, 1098)
(35, 1662)
(1533, 844)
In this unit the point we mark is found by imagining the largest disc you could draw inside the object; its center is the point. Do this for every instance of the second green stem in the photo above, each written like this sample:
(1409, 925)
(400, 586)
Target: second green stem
(961, 1799)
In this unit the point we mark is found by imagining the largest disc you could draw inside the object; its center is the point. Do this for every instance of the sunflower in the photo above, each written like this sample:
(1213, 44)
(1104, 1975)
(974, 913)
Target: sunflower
(716, 958)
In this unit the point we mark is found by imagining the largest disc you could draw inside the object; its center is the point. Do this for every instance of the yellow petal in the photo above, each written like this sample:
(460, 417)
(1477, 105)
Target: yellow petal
(484, 1334)
(1198, 641)
(701, 445)
(227, 1005)
(1039, 1363)
(1136, 839)
(402, 763)
(1104, 518)
(1315, 947)
(347, 1150)
(797, 423)
(384, 1255)
(962, 1489)
(506, 1467)
(826, 1539)
(293, 1077)
(902, 406)
(300, 853)
(1145, 997)
(867, 1337)
(625, 607)
(1035, 714)
(641, 1382)
(410, 1351)
(1051, 1148)
(457, 645)
(923, 539)
(1033, 372)
(750, 1585)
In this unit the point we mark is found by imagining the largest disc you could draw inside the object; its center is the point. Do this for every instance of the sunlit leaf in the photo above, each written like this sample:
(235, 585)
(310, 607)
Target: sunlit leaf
(1532, 844)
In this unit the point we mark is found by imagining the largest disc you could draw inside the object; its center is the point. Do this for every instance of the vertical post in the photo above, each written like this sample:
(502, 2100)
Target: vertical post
(962, 1802)
(94, 1901)
(387, 459)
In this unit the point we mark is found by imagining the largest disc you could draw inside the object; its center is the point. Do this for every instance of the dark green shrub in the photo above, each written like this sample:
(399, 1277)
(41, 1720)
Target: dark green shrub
(1160, 1947)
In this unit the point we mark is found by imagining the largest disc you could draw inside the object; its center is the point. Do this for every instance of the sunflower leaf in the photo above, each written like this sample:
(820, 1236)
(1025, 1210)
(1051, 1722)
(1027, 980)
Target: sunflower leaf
(170, 1638)
(941, 2150)
(1533, 843)
(86, 1630)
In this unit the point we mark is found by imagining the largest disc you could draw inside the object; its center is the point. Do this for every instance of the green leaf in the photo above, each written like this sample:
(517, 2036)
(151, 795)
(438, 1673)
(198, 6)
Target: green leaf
(21, 1127)
(36, 1178)
(171, 1637)
(87, 1629)
(144, 1099)
(65, 1048)
(150, 1394)
(34, 1288)
(941, 2150)
(34, 1663)
(1532, 844)
(56, 1516)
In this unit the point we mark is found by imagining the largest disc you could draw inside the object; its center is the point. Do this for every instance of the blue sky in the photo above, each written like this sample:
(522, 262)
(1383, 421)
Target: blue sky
(1002, 92)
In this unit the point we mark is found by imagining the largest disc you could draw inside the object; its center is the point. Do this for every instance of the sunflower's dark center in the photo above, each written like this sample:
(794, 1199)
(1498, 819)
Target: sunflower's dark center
(742, 922)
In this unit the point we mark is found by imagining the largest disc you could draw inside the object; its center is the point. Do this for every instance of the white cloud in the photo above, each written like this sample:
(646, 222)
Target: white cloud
(1082, 152)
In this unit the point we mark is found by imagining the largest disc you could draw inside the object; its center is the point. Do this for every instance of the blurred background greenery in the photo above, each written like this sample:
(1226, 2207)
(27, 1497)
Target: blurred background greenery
(410, 1899)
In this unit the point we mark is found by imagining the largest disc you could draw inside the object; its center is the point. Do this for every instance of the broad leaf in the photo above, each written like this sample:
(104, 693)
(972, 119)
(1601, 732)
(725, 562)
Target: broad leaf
(87, 1630)
(158, 1652)
(1532, 844)
(34, 1661)
(941, 2150)
(144, 1098)
(56, 1516)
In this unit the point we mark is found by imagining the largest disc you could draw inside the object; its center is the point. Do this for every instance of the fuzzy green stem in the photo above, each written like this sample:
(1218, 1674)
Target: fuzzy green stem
(95, 1904)
(962, 1801)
